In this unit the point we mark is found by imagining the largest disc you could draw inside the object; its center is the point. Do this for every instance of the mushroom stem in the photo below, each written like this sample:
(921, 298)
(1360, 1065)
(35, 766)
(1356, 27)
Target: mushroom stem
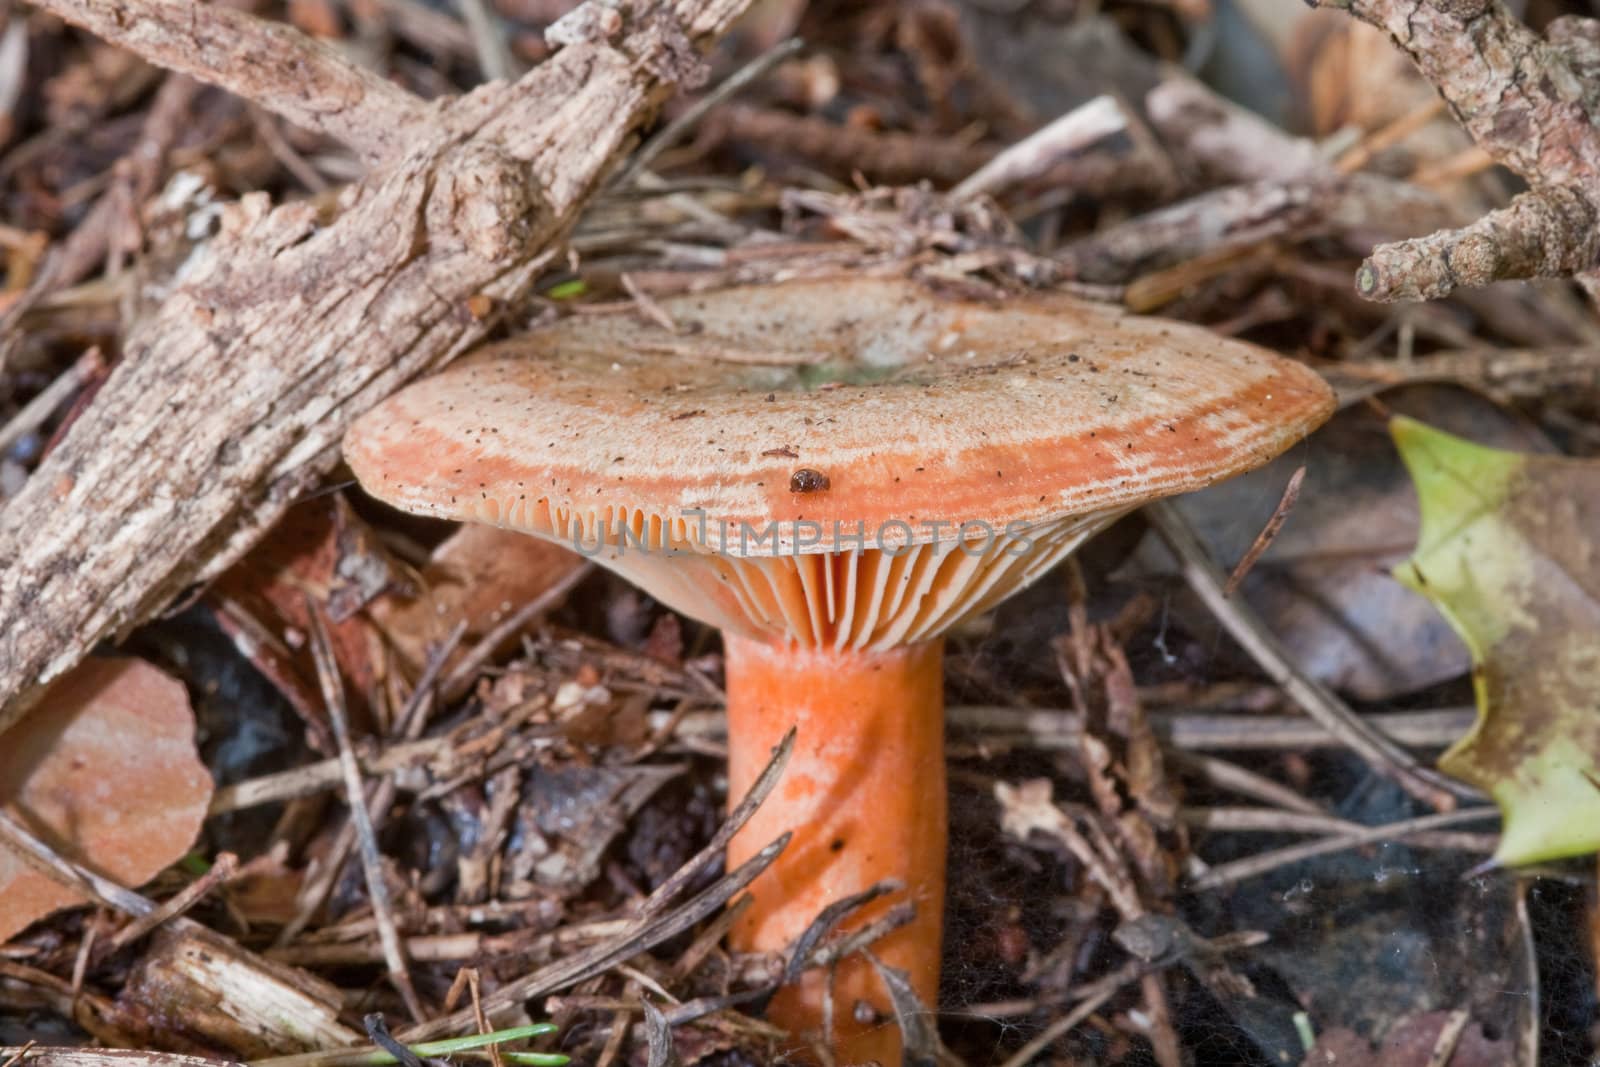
(864, 796)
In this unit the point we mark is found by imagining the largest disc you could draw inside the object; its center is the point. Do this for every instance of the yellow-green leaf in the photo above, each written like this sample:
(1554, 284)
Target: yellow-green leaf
(1509, 550)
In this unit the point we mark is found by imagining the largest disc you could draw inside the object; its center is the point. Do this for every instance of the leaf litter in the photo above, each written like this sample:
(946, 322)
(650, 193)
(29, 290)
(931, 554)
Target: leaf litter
(543, 796)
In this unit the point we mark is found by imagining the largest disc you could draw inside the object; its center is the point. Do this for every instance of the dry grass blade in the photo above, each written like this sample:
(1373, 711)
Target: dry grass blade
(475, 988)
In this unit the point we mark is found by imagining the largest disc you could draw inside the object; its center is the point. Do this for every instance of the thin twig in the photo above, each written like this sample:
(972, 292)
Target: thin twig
(489, 42)
(707, 940)
(315, 777)
(1056, 729)
(760, 789)
(475, 198)
(378, 1031)
(413, 717)
(674, 130)
(1273, 821)
(41, 407)
(1228, 874)
(1102, 991)
(651, 926)
(642, 936)
(306, 81)
(222, 870)
(356, 797)
(1444, 1046)
(1038, 152)
(1269, 532)
(800, 954)
(1231, 776)
(1314, 698)
(59, 869)
(1390, 134)
(863, 936)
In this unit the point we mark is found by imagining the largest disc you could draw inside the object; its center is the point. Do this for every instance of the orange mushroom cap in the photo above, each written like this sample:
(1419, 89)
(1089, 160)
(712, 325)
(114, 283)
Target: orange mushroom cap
(811, 418)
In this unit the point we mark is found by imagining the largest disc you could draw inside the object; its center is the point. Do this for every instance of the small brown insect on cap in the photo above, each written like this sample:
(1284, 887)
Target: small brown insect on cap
(827, 411)
(806, 480)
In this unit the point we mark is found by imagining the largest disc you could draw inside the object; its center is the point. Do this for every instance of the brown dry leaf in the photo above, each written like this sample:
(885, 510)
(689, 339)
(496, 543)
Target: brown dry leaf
(104, 769)
(480, 574)
(322, 550)
(1337, 62)
(1323, 586)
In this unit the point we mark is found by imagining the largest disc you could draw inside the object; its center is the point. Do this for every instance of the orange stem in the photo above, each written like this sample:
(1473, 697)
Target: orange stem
(864, 795)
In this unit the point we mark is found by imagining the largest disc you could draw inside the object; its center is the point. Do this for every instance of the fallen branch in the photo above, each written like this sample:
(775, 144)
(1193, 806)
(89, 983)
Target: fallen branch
(1530, 103)
(270, 63)
(230, 401)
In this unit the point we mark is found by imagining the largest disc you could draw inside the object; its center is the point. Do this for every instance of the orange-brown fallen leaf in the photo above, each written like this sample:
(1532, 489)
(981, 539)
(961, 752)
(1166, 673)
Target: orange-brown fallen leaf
(105, 770)
(480, 574)
(321, 552)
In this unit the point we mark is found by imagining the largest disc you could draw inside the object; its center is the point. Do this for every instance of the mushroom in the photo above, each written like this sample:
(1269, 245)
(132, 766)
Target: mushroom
(835, 472)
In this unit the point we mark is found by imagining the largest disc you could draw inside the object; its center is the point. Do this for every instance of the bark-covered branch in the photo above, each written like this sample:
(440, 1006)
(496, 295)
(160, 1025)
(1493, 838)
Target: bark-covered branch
(301, 79)
(230, 401)
(1531, 102)
(1550, 233)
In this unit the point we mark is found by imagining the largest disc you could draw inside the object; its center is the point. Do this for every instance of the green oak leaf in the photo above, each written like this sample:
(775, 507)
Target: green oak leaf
(1509, 551)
